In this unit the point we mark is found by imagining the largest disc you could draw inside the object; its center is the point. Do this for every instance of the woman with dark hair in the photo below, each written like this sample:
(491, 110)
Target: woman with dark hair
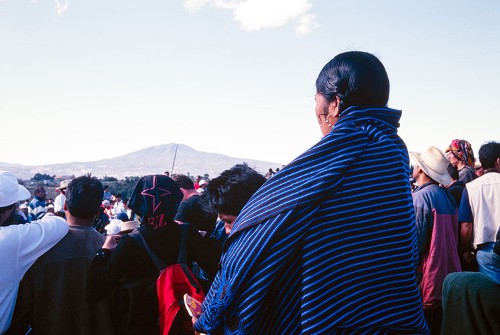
(122, 261)
(328, 245)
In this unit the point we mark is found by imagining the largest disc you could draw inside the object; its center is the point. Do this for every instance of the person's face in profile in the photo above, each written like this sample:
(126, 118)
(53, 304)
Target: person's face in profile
(42, 194)
(451, 157)
(228, 221)
(326, 113)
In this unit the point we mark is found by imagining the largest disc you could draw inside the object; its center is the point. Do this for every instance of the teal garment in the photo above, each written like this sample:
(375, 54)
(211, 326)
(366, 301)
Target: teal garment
(471, 304)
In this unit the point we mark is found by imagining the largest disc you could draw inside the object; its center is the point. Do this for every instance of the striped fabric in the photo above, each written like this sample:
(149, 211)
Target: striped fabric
(328, 245)
(36, 209)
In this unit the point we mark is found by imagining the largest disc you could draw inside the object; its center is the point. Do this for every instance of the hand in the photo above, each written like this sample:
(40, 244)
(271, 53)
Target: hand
(193, 320)
(111, 242)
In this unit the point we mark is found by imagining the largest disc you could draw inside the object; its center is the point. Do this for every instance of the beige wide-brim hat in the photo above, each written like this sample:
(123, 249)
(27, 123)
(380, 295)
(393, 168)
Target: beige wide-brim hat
(129, 225)
(64, 185)
(434, 163)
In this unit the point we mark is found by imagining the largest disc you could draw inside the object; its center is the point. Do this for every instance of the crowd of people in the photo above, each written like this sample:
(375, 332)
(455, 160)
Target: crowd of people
(355, 236)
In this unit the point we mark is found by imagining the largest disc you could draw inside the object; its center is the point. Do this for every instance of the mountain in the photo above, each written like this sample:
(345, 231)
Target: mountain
(157, 159)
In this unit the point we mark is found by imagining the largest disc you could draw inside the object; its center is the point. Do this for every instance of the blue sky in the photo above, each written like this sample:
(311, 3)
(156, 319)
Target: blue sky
(83, 80)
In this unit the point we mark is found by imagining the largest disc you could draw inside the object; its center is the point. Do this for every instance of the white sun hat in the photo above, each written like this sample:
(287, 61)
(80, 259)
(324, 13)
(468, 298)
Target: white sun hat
(10, 190)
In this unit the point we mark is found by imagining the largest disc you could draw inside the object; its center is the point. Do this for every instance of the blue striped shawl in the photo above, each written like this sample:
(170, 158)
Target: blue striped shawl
(328, 245)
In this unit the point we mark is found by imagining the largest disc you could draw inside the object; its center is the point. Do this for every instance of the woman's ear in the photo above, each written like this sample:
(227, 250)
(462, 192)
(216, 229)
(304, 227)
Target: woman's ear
(334, 107)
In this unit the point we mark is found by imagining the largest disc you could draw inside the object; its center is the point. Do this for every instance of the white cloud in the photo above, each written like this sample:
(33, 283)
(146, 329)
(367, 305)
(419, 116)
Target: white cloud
(60, 7)
(227, 4)
(253, 15)
(306, 24)
(258, 14)
(195, 4)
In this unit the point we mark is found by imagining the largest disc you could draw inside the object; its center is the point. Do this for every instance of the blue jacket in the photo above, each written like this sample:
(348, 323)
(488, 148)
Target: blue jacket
(328, 245)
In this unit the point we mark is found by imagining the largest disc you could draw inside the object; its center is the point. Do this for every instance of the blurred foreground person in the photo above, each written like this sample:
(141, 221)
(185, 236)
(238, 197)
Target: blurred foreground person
(471, 304)
(20, 244)
(328, 245)
(52, 293)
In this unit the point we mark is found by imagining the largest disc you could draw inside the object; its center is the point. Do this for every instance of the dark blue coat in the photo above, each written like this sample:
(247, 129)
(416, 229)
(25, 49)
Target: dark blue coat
(328, 245)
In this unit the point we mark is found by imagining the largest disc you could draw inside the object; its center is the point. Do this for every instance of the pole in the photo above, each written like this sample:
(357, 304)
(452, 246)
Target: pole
(173, 162)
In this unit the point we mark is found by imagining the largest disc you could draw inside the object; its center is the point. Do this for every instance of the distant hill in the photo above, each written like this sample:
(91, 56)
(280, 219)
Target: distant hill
(157, 159)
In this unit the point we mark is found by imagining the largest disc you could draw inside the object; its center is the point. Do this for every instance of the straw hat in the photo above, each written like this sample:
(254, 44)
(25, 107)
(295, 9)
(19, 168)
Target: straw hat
(128, 226)
(113, 227)
(434, 163)
(64, 185)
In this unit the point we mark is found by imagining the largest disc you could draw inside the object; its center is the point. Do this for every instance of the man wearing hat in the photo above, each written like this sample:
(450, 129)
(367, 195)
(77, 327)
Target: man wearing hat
(61, 198)
(437, 228)
(20, 244)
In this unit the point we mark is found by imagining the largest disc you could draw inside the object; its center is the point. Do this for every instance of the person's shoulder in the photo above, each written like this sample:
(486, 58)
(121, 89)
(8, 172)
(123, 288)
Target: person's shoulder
(53, 219)
(186, 204)
(194, 200)
(467, 174)
(485, 179)
(88, 231)
(427, 193)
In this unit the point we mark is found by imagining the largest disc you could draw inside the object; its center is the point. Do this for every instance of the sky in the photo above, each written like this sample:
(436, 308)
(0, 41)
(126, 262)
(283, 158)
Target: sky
(84, 80)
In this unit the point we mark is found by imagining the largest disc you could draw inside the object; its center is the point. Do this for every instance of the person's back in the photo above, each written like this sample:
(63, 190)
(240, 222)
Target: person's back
(484, 196)
(194, 208)
(51, 296)
(345, 250)
(437, 225)
(328, 245)
(456, 187)
(125, 268)
(54, 288)
(466, 174)
(479, 215)
(20, 244)
(436, 217)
